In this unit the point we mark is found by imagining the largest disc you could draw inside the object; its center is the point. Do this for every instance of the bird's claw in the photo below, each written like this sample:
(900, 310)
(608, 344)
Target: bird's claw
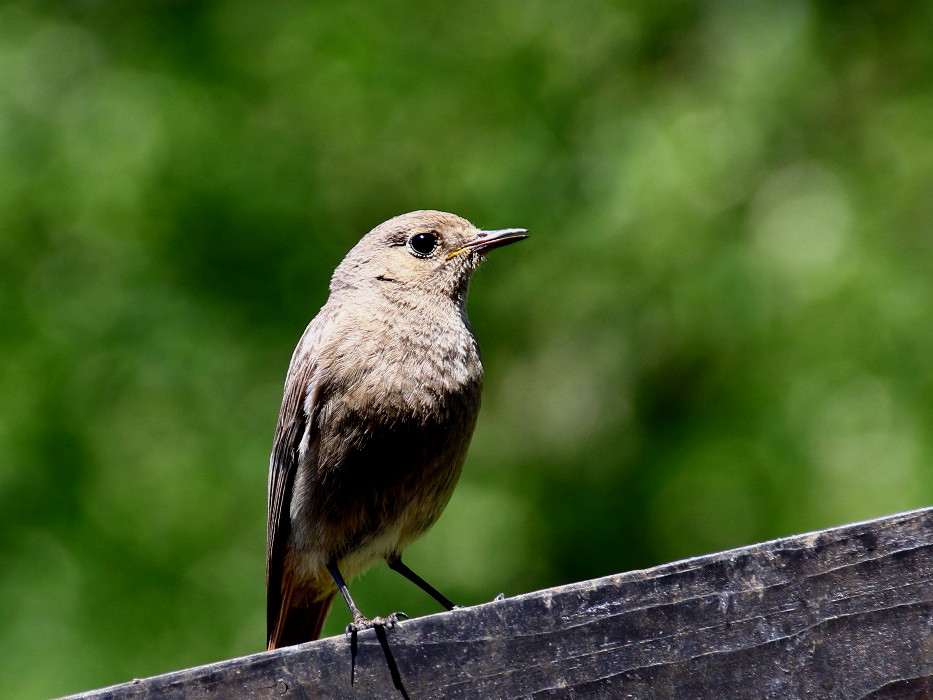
(387, 622)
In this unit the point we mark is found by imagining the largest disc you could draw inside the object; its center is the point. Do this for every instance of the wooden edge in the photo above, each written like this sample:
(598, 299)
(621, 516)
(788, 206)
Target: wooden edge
(842, 612)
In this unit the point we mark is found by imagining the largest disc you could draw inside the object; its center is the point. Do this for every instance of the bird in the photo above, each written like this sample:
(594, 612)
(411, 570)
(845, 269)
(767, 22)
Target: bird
(379, 406)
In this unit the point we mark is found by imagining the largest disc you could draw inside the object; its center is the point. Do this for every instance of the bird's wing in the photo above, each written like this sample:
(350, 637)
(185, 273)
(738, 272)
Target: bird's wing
(293, 430)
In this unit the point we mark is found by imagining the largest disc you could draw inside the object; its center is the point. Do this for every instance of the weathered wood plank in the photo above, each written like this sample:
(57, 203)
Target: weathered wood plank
(841, 613)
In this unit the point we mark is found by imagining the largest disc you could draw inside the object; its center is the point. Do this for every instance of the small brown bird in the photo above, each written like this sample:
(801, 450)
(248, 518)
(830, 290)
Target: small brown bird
(381, 399)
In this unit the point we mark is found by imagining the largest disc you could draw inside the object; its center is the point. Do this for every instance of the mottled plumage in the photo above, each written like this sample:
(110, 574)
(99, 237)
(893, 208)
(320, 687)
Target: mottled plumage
(380, 403)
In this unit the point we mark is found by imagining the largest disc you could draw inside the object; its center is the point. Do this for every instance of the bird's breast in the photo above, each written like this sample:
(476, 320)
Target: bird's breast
(405, 367)
(396, 408)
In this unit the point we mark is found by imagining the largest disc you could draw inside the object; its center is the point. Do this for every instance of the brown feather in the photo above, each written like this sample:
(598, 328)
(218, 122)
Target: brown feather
(380, 402)
(298, 625)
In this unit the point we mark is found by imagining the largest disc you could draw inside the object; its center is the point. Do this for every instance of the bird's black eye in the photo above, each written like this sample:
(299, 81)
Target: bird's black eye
(423, 244)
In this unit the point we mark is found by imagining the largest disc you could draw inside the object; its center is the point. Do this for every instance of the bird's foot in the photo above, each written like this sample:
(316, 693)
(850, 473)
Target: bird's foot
(361, 623)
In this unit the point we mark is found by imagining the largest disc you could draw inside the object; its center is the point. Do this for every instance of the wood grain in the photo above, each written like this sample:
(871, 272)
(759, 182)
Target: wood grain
(842, 613)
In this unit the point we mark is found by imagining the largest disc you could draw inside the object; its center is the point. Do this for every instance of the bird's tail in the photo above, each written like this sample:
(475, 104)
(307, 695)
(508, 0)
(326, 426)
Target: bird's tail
(296, 625)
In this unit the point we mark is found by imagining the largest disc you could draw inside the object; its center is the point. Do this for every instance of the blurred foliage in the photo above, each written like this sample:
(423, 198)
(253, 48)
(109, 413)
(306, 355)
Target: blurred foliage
(720, 332)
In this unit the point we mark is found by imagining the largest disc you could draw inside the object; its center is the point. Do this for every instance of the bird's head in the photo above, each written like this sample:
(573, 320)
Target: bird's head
(422, 252)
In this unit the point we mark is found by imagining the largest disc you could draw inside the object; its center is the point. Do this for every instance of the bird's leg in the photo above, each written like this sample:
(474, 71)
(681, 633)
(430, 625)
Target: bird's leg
(360, 621)
(395, 563)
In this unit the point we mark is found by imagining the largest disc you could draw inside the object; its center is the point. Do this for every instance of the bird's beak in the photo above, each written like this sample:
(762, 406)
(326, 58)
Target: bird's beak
(487, 240)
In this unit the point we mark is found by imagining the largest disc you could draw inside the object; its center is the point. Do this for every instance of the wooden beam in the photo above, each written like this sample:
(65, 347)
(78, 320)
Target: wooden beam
(842, 613)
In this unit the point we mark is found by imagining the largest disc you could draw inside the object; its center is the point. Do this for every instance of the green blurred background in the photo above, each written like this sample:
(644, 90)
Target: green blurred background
(720, 332)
